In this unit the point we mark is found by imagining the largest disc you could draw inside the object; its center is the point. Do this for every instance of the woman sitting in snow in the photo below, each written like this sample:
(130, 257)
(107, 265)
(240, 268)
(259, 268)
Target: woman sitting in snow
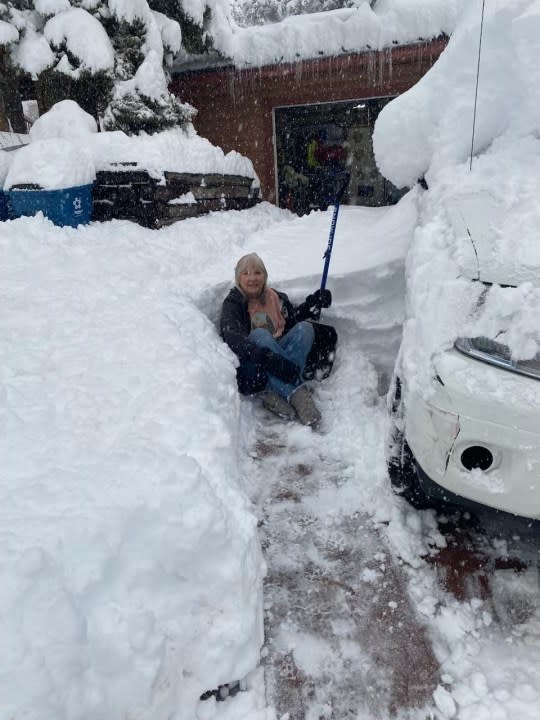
(277, 344)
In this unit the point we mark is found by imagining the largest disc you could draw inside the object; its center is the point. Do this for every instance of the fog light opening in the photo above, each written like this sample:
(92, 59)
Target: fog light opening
(477, 457)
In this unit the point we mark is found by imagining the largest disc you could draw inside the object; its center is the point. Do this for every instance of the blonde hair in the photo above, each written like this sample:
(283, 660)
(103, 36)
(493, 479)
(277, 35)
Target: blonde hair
(251, 260)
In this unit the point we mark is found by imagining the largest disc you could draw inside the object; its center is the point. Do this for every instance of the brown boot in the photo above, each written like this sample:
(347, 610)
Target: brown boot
(278, 405)
(303, 403)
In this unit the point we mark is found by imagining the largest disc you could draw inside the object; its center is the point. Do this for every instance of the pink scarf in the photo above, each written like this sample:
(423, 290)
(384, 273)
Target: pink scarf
(265, 312)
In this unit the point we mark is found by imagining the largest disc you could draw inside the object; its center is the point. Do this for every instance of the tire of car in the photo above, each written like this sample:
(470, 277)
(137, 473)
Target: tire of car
(399, 458)
(403, 474)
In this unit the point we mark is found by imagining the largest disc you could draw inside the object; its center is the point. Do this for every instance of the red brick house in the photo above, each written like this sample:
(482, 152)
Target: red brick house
(273, 113)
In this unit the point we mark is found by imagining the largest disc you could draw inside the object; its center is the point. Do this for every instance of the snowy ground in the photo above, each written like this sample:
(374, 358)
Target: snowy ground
(134, 479)
(143, 501)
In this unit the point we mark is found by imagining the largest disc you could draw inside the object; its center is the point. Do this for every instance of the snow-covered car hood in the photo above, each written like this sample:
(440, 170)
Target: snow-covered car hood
(487, 246)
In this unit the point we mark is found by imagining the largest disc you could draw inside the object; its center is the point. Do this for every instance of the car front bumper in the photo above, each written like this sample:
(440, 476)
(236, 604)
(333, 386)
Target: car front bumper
(475, 410)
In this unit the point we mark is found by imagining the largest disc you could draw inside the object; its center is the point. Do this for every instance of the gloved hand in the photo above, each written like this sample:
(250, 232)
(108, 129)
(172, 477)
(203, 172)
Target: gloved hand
(320, 299)
(312, 305)
(280, 367)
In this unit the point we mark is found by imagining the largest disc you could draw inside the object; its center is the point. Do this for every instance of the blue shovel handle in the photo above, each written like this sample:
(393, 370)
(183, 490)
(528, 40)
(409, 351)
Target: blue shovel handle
(328, 253)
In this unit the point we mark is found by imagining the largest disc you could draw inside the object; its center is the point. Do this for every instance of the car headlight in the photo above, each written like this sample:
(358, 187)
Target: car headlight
(494, 353)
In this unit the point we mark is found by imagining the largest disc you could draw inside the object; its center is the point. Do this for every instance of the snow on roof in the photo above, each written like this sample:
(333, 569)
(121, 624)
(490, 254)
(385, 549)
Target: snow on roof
(336, 32)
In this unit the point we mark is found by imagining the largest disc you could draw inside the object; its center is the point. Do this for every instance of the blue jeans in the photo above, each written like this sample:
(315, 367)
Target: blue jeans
(295, 346)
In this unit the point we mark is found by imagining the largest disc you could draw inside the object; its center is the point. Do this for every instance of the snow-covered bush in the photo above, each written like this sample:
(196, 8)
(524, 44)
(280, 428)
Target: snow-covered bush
(111, 56)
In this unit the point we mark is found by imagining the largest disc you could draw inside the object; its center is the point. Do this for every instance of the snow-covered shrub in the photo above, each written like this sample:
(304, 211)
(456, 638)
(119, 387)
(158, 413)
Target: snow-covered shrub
(111, 56)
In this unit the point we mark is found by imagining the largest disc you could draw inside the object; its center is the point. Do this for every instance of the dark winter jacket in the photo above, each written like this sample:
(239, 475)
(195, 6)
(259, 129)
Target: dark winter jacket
(235, 327)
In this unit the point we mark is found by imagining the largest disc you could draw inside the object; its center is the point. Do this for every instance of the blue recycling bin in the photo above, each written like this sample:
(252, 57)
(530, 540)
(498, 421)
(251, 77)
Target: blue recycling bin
(67, 206)
(3, 206)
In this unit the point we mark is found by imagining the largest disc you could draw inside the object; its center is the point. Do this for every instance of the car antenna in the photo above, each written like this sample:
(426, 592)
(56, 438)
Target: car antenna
(477, 77)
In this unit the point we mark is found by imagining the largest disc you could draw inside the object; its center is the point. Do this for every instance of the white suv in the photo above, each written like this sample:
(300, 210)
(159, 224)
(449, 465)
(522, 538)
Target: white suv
(468, 431)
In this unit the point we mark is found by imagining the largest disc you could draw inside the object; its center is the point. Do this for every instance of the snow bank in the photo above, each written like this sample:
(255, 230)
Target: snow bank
(132, 578)
(58, 155)
(430, 126)
(132, 574)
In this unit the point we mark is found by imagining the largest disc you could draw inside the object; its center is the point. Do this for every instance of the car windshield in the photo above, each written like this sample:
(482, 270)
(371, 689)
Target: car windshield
(506, 323)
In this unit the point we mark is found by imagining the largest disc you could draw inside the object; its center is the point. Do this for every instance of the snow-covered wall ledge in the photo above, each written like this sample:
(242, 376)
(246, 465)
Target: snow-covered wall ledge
(131, 194)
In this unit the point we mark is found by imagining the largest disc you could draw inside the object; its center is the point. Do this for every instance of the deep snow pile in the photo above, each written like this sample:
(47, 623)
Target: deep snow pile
(427, 132)
(132, 571)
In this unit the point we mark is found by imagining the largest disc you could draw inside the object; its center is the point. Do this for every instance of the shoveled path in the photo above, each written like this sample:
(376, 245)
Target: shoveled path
(342, 639)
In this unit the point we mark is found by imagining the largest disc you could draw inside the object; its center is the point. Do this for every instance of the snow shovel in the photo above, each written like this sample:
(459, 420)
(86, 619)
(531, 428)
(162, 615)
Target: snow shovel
(320, 360)
(342, 186)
